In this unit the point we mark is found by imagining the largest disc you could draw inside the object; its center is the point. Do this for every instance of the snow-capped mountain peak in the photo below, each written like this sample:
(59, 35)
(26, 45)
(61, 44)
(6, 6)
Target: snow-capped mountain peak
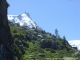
(25, 14)
(75, 43)
(23, 20)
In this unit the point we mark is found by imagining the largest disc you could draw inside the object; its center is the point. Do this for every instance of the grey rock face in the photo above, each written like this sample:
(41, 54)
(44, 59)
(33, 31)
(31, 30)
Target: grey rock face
(6, 40)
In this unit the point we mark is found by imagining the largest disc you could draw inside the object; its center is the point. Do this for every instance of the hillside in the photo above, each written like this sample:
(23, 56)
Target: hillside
(30, 41)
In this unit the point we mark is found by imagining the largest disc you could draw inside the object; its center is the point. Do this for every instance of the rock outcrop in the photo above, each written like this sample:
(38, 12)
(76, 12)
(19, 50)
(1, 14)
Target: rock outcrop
(6, 39)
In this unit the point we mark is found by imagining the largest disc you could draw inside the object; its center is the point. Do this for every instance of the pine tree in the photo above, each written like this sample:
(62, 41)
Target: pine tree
(56, 33)
(64, 40)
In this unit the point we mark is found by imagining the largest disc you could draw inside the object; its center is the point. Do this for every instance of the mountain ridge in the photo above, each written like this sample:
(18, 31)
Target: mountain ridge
(23, 20)
(28, 40)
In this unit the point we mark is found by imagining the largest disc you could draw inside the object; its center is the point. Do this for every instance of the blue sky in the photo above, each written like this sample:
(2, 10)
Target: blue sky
(51, 14)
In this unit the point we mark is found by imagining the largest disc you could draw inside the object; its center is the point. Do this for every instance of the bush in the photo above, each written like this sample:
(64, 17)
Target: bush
(25, 44)
(14, 31)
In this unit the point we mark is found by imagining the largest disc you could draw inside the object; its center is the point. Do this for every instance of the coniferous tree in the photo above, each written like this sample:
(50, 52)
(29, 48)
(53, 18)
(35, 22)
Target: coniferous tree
(64, 40)
(59, 36)
(56, 32)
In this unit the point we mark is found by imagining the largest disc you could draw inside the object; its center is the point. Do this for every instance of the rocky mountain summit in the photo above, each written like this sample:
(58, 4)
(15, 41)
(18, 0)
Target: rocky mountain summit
(23, 20)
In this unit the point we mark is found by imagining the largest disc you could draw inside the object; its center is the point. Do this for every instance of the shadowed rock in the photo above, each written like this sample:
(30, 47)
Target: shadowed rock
(6, 39)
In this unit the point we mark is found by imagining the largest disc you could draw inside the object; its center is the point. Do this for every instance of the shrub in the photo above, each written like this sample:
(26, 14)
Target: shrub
(14, 31)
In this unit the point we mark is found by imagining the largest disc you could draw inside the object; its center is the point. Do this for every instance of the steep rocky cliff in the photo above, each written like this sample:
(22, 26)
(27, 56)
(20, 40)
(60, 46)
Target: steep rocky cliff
(6, 40)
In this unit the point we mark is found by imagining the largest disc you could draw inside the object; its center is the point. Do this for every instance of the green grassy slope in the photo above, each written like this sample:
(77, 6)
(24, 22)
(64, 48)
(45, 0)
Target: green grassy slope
(38, 43)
